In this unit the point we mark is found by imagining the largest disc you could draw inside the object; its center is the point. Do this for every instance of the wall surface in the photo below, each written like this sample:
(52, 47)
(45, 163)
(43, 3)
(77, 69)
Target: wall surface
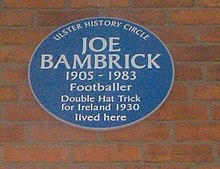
(183, 134)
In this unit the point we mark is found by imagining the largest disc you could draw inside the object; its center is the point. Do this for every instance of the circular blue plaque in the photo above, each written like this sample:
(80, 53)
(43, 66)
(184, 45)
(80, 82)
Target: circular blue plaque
(101, 73)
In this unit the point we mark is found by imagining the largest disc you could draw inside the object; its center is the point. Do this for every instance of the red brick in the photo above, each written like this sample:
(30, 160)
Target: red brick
(173, 167)
(1, 114)
(8, 93)
(20, 167)
(175, 34)
(35, 153)
(68, 167)
(22, 36)
(198, 132)
(179, 92)
(12, 133)
(106, 153)
(33, 4)
(208, 167)
(213, 72)
(178, 153)
(185, 71)
(146, 17)
(181, 112)
(62, 166)
(16, 18)
(27, 167)
(15, 112)
(62, 17)
(99, 3)
(210, 34)
(218, 151)
(26, 94)
(15, 73)
(138, 167)
(162, 3)
(139, 132)
(15, 54)
(104, 167)
(209, 3)
(195, 53)
(59, 132)
(206, 92)
(216, 111)
(196, 17)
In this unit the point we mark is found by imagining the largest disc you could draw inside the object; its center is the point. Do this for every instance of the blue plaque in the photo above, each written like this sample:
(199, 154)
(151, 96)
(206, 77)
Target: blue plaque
(101, 73)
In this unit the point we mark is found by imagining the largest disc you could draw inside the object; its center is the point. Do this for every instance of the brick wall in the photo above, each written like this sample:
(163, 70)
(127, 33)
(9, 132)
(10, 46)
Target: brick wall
(183, 134)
